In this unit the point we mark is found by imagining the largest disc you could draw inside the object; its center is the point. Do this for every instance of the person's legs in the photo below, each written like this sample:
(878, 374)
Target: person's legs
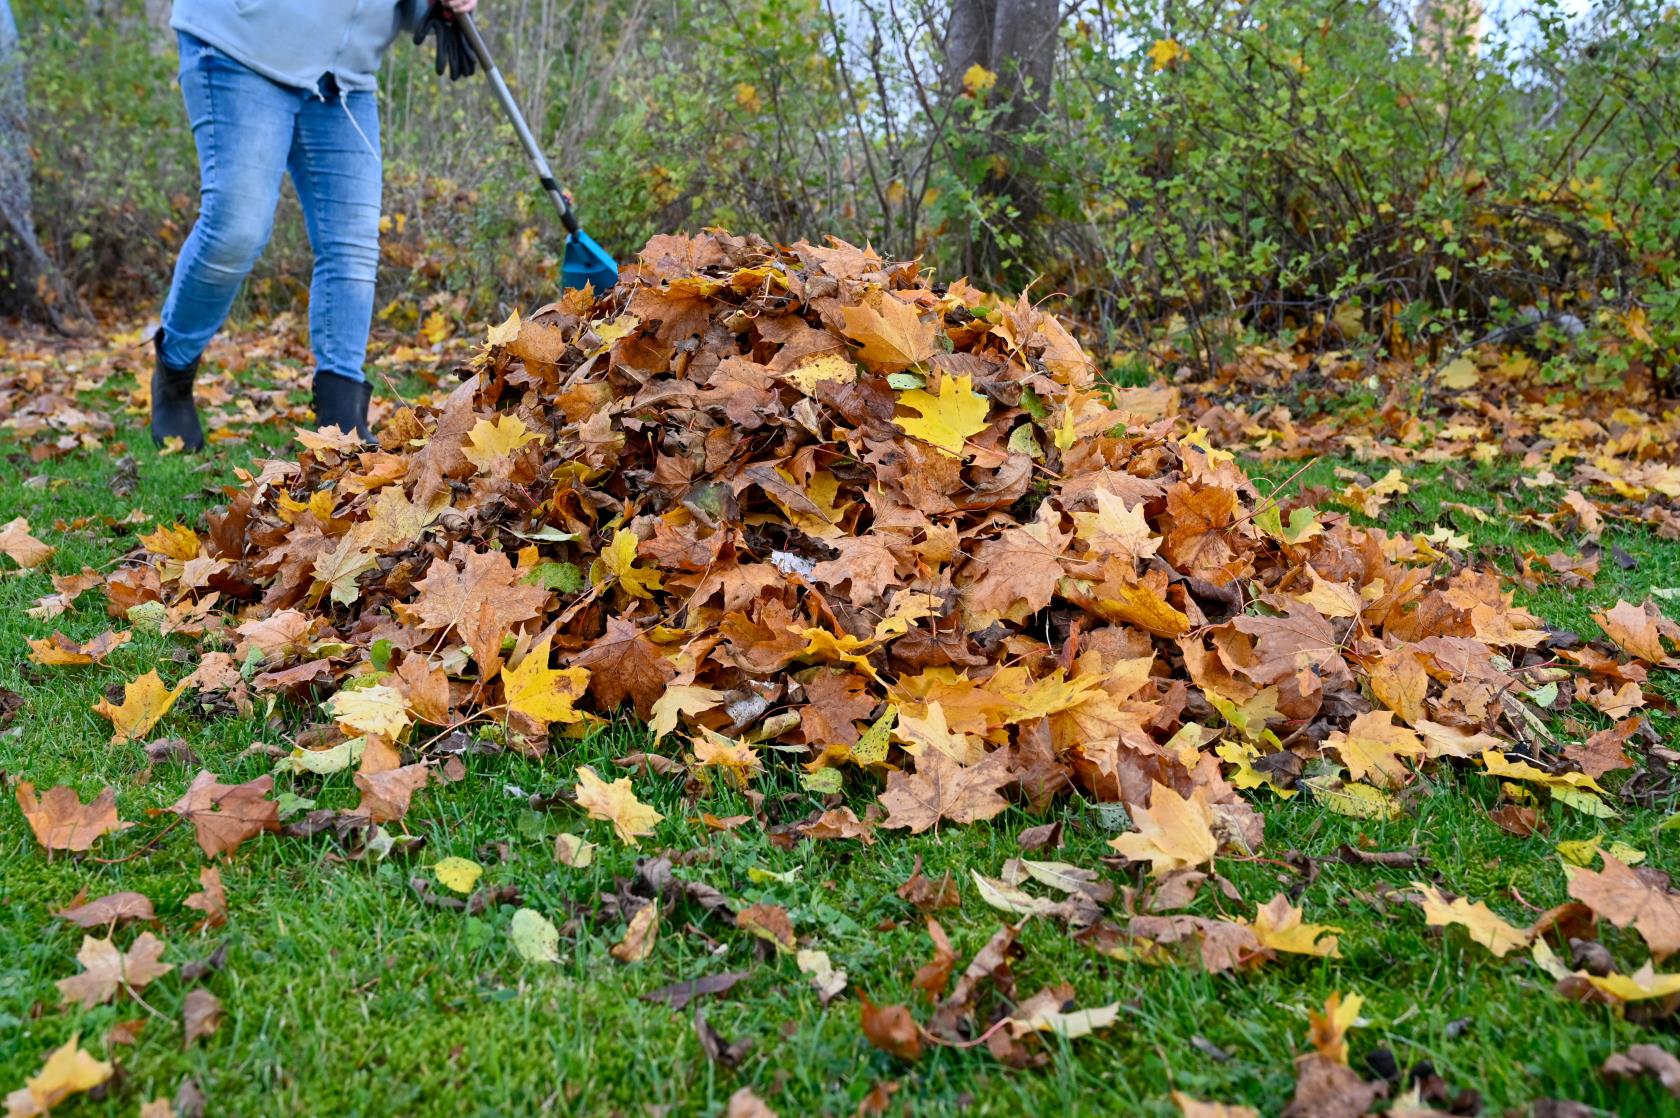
(335, 166)
(242, 125)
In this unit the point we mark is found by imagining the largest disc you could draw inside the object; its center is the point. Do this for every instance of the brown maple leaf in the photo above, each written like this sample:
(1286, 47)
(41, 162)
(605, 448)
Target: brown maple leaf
(453, 593)
(624, 664)
(107, 969)
(225, 815)
(62, 822)
(201, 1012)
(108, 910)
(1015, 575)
(385, 795)
(210, 900)
(940, 788)
(1603, 752)
(1639, 630)
(1620, 895)
(894, 337)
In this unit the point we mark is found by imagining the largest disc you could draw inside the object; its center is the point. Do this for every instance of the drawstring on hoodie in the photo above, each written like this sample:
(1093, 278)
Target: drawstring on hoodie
(328, 87)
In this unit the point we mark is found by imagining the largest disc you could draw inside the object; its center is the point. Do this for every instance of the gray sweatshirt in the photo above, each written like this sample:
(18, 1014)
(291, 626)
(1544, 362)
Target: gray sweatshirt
(297, 42)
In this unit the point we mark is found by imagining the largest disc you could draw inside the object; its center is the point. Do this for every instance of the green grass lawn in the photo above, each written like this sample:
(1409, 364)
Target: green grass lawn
(345, 995)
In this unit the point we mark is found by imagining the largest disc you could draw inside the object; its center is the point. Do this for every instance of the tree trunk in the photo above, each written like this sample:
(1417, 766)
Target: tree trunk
(30, 284)
(1015, 39)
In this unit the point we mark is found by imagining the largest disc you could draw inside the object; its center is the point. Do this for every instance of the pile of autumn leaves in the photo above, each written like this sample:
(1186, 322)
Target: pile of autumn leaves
(799, 506)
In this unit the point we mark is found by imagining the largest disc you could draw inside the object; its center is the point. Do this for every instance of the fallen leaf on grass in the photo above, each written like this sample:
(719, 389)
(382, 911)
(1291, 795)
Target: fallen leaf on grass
(67, 1071)
(615, 803)
(211, 899)
(459, 874)
(1173, 832)
(386, 795)
(534, 937)
(111, 909)
(1620, 895)
(768, 922)
(890, 1028)
(640, 936)
(24, 549)
(678, 994)
(1645, 1059)
(1639, 630)
(145, 701)
(1603, 752)
(59, 650)
(62, 822)
(573, 850)
(828, 979)
(745, 1104)
(1195, 1108)
(930, 894)
(226, 815)
(1485, 926)
(1279, 926)
(201, 1012)
(941, 789)
(106, 969)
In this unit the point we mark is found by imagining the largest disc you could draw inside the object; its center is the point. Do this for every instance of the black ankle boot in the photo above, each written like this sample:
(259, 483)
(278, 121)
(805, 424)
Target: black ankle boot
(173, 413)
(343, 403)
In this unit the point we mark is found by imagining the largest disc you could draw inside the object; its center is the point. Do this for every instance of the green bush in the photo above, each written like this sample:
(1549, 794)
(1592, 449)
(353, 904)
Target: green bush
(1299, 168)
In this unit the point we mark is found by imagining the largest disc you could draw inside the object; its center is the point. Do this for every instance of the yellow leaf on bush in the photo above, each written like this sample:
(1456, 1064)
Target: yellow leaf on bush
(1165, 54)
(977, 79)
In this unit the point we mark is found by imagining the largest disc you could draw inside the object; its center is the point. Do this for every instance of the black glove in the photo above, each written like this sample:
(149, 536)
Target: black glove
(453, 52)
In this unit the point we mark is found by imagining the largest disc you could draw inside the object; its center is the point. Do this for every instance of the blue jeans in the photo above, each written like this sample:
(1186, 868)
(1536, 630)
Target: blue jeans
(250, 131)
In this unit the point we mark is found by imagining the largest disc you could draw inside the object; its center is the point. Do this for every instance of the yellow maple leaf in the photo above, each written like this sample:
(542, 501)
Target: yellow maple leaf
(489, 442)
(1372, 747)
(1328, 1031)
(1485, 926)
(1166, 53)
(436, 328)
(825, 646)
(378, 710)
(1143, 606)
(946, 419)
(1279, 926)
(1641, 984)
(507, 333)
(67, 1071)
(538, 691)
(1173, 832)
(736, 760)
(894, 337)
(1116, 528)
(618, 560)
(145, 701)
(679, 699)
(175, 542)
(615, 803)
(828, 367)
